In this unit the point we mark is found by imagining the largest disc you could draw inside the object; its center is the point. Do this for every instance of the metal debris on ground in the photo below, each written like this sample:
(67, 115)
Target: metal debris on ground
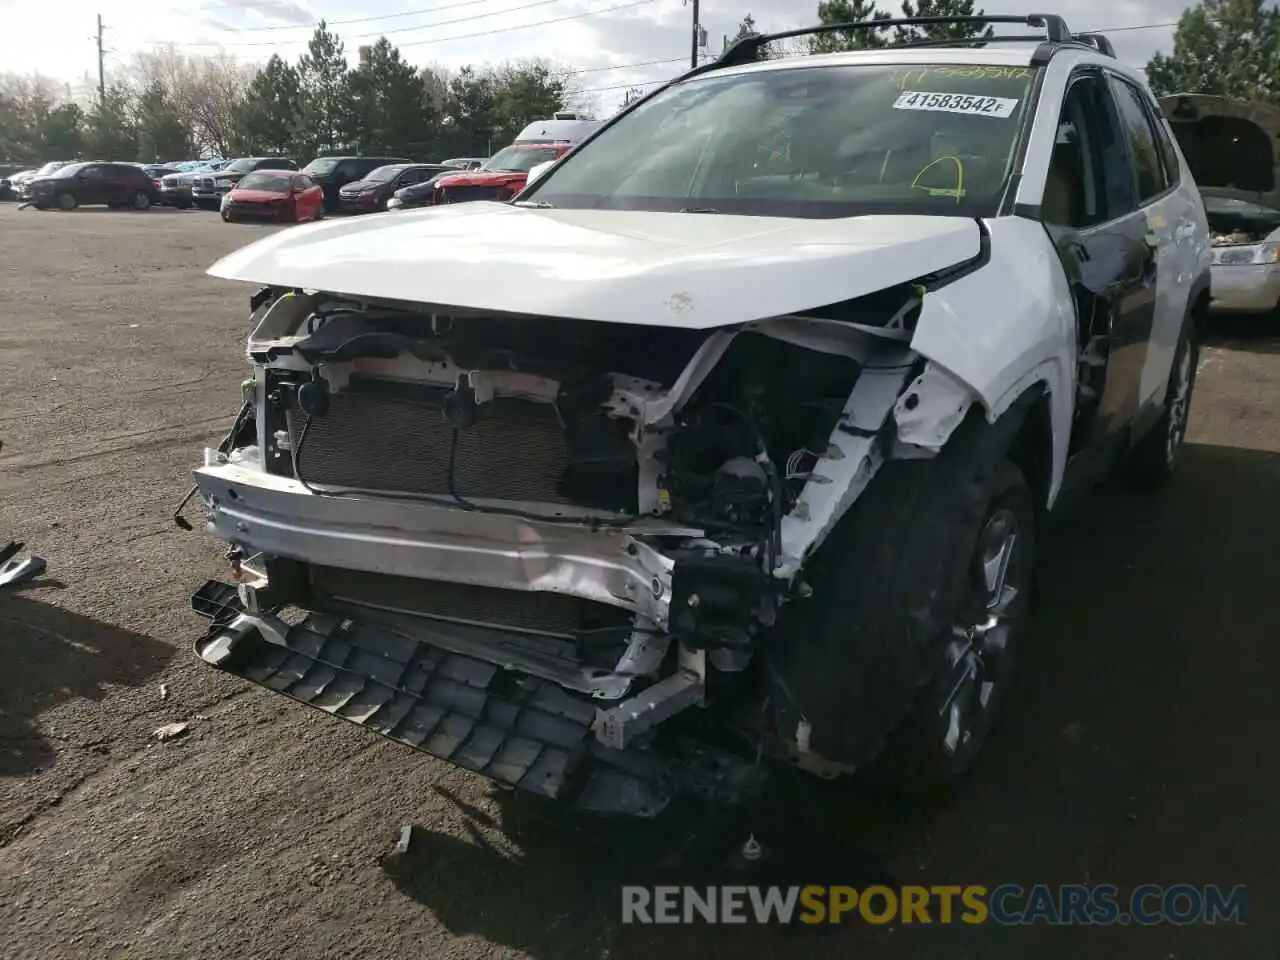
(170, 731)
(16, 568)
(402, 845)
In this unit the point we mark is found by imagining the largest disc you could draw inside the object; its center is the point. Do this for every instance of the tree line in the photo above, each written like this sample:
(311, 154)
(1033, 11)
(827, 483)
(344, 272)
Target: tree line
(168, 105)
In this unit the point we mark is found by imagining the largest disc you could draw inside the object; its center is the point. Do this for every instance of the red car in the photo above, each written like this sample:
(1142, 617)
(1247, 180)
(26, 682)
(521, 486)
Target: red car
(504, 174)
(502, 177)
(278, 196)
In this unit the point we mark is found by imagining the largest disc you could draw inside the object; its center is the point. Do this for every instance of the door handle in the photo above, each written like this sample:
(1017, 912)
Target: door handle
(1078, 250)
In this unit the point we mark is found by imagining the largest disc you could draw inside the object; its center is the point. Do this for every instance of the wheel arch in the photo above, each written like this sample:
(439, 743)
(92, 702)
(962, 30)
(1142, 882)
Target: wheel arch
(1032, 446)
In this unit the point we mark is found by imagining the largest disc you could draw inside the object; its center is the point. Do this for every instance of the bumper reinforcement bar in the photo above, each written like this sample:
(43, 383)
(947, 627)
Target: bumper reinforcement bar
(515, 729)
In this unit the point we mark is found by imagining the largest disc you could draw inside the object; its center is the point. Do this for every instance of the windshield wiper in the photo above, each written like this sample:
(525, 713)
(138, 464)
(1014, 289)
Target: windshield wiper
(699, 210)
(535, 204)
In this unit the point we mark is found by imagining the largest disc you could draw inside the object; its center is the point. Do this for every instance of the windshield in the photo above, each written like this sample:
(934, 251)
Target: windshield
(51, 167)
(813, 142)
(518, 159)
(321, 165)
(385, 173)
(243, 165)
(266, 180)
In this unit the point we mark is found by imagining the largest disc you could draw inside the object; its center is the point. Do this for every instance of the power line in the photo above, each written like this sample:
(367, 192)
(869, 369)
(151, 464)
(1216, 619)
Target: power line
(342, 23)
(627, 66)
(441, 23)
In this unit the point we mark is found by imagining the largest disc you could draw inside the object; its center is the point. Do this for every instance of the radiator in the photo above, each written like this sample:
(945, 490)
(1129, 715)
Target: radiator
(368, 439)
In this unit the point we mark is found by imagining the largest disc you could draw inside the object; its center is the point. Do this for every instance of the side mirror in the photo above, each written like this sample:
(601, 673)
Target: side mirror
(537, 171)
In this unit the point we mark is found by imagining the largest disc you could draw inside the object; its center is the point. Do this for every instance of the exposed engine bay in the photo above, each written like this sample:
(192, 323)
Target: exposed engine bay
(615, 511)
(1252, 224)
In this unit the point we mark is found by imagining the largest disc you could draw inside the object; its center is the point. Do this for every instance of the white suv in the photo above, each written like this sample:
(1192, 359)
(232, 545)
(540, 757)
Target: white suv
(736, 427)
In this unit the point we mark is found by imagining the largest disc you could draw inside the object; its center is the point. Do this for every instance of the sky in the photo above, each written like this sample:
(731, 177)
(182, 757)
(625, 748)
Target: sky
(610, 44)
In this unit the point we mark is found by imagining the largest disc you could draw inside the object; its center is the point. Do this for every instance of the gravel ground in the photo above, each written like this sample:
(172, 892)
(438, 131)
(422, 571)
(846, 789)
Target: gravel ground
(1137, 748)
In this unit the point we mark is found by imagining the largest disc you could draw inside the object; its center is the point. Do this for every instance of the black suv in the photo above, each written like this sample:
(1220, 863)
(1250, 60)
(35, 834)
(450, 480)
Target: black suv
(116, 185)
(334, 173)
(207, 190)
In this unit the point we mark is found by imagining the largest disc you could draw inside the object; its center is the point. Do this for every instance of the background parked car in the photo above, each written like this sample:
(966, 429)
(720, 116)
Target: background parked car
(464, 163)
(157, 172)
(375, 191)
(1230, 146)
(279, 196)
(175, 188)
(419, 194)
(334, 173)
(117, 185)
(208, 189)
(502, 176)
(18, 182)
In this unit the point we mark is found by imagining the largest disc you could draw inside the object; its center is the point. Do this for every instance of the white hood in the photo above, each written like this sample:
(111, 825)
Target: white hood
(659, 269)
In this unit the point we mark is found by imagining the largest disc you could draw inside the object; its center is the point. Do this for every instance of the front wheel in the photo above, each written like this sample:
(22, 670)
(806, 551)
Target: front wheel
(896, 665)
(141, 200)
(956, 709)
(67, 201)
(226, 216)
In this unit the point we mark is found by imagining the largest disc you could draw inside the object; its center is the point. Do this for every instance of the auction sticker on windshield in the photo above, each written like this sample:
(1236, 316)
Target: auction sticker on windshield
(1001, 107)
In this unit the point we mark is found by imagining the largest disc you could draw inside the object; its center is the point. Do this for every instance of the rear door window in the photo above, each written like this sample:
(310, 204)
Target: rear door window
(1143, 142)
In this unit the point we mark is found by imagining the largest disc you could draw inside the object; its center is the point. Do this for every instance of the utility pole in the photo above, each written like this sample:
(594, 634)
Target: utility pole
(695, 34)
(102, 71)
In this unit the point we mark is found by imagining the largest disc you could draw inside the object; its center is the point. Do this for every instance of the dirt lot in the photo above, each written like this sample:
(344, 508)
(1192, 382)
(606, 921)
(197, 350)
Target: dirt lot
(1138, 748)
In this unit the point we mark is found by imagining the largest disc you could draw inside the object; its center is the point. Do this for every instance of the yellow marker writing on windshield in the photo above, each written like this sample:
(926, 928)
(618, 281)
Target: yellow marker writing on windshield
(957, 192)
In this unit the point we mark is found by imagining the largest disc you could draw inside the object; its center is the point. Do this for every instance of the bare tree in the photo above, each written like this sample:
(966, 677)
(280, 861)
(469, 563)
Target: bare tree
(207, 90)
(436, 77)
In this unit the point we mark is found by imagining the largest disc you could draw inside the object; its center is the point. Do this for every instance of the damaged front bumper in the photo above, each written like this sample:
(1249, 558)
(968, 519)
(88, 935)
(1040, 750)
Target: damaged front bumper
(516, 729)
(278, 516)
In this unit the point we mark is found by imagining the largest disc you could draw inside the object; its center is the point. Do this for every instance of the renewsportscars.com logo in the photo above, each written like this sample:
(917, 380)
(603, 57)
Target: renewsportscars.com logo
(1006, 905)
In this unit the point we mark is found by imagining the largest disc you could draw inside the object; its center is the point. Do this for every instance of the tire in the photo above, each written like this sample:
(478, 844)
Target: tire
(869, 659)
(1149, 465)
(67, 201)
(141, 201)
(226, 216)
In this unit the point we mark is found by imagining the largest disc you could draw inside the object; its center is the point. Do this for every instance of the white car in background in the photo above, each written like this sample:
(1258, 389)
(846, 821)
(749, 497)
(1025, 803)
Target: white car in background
(1230, 146)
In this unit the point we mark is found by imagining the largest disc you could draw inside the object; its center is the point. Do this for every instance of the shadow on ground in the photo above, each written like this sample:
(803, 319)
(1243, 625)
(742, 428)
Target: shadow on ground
(51, 655)
(1134, 750)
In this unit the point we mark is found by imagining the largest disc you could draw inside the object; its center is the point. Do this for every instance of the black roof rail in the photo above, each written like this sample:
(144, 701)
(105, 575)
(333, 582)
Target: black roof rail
(744, 51)
(1098, 41)
(966, 41)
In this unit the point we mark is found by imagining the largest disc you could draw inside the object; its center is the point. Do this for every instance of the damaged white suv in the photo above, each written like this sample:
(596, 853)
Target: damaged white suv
(730, 437)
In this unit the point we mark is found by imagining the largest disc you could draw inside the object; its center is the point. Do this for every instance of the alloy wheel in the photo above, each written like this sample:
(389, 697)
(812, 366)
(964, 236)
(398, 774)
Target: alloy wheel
(1179, 405)
(979, 652)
